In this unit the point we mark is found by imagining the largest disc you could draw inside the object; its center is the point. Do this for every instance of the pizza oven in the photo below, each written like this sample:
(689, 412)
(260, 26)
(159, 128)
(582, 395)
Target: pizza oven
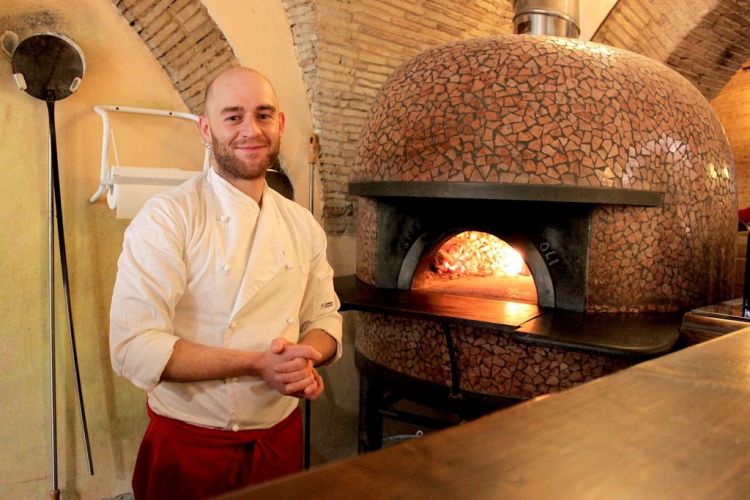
(533, 212)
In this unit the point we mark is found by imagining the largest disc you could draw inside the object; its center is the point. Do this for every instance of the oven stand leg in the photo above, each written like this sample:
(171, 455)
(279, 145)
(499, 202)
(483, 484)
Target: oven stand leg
(370, 420)
(453, 359)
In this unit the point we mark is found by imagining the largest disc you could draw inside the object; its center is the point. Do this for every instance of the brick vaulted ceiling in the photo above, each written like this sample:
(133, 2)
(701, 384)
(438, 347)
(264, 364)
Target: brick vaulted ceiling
(705, 41)
(347, 49)
(184, 39)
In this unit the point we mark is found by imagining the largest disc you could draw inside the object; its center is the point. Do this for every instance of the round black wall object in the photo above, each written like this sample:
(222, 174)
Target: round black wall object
(50, 66)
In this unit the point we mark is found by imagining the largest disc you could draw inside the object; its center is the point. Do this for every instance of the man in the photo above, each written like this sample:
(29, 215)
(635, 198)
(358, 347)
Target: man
(222, 307)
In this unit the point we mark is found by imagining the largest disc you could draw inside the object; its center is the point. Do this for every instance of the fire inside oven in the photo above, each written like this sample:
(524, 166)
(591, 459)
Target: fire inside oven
(476, 264)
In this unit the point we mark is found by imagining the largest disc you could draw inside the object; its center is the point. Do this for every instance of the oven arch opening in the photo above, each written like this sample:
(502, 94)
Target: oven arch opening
(421, 255)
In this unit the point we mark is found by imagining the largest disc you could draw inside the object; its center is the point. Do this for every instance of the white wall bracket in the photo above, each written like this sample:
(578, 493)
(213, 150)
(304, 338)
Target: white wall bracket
(106, 179)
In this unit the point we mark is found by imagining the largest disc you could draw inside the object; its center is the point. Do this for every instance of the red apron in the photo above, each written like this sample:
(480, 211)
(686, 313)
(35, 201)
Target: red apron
(179, 460)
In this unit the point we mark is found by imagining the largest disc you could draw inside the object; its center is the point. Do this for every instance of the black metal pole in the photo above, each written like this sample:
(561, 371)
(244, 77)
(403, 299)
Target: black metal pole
(55, 491)
(311, 158)
(66, 282)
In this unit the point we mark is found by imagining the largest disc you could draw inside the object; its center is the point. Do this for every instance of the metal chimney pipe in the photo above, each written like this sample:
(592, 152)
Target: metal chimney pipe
(546, 17)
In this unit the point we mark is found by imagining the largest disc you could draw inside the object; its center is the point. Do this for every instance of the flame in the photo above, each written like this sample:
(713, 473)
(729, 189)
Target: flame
(473, 253)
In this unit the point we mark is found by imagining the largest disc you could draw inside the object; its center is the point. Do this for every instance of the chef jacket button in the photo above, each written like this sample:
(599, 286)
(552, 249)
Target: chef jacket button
(288, 265)
(232, 324)
(235, 427)
(290, 320)
(226, 268)
(224, 218)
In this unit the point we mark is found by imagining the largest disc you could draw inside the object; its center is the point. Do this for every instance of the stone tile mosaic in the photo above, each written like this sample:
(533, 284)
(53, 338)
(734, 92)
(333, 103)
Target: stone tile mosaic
(367, 230)
(412, 347)
(546, 110)
(494, 363)
(490, 362)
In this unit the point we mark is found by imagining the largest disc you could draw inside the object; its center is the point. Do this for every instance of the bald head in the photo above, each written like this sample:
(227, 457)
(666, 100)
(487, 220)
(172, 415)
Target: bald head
(242, 124)
(233, 77)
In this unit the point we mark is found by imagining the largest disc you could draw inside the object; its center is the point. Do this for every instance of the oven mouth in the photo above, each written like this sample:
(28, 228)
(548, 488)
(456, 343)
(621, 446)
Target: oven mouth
(476, 264)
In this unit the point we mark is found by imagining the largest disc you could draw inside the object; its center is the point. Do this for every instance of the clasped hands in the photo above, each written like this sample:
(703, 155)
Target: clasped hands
(290, 369)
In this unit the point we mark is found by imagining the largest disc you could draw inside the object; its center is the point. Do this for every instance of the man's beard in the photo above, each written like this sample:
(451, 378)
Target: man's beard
(230, 165)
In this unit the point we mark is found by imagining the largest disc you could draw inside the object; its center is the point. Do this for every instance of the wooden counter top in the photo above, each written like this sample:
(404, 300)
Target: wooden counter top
(672, 427)
(709, 322)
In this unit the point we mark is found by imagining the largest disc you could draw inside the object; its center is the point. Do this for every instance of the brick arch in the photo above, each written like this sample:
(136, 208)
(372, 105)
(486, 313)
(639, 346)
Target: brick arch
(706, 42)
(184, 39)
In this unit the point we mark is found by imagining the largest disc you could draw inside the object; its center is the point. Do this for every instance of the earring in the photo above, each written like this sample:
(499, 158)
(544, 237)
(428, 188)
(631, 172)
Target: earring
(208, 145)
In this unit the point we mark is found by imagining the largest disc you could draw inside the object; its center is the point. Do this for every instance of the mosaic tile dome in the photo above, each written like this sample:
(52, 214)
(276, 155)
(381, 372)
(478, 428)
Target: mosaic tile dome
(547, 110)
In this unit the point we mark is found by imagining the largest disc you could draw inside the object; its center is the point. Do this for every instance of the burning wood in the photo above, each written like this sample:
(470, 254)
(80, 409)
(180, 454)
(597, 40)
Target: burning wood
(473, 253)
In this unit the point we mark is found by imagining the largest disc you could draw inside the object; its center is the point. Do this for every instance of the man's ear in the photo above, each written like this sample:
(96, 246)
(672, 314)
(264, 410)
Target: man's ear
(204, 129)
(282, 121)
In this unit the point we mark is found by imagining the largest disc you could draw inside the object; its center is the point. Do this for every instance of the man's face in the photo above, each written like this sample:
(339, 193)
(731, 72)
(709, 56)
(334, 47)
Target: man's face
(243, 124)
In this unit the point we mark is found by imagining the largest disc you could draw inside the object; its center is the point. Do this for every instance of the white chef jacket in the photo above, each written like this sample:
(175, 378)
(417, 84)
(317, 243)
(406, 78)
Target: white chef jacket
(203, 262)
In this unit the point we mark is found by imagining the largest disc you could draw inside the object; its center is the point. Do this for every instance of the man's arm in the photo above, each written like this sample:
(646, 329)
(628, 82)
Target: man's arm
(322, 342)
(151, 279)
(320, 322)
(192, 362)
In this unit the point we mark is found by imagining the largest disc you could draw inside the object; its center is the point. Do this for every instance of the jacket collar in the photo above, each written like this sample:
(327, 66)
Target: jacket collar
(225, 189)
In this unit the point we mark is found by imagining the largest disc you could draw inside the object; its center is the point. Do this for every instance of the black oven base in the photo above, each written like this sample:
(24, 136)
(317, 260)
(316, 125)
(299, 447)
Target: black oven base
(381, 389)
